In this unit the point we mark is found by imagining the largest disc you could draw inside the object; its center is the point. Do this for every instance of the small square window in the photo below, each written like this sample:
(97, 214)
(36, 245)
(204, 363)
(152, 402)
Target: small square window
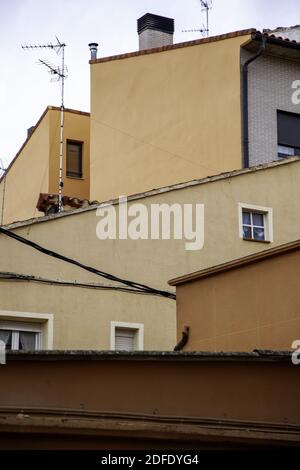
(127, 336)
(255, 223)
(253, 226)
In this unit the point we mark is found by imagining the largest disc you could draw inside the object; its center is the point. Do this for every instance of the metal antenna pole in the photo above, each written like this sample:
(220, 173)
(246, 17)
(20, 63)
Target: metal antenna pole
(206, 6)
(62, 119)
(59, 74)
(4, 188)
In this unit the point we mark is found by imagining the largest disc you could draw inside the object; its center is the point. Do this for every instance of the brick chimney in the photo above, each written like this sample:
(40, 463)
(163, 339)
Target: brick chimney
(155, 31)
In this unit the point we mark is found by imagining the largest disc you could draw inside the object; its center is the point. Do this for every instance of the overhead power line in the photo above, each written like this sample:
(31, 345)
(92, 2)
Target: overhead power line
(9, 276)
(134, 285)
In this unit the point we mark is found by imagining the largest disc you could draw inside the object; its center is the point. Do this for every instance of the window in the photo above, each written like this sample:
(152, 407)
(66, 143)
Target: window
(256, 223)
(288, 127)
(26, 330)
(127, 336)
(20, 336)
(74, 159)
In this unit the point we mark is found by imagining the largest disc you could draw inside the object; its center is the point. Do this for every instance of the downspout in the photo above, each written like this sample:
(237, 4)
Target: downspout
(245, 101)
(184, 339)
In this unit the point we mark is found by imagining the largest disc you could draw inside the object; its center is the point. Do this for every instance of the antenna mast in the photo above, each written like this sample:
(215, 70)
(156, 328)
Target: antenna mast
(206, 6)
(3, 171)
(57, 74)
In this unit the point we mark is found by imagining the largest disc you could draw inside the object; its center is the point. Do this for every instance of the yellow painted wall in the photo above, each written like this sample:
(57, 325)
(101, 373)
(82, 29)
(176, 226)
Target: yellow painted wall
(161, 118)
(35, 170)
(82, 316)
(76, 127)
(27, 177)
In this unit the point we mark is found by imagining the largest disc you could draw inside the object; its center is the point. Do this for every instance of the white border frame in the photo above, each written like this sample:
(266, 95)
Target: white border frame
(44, 319)
(139, 327)
(268, 217)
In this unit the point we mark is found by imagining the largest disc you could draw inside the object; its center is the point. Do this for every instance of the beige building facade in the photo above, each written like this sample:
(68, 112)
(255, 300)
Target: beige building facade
(173, 113)
(35, 168)
(250, 303)
(92, 315)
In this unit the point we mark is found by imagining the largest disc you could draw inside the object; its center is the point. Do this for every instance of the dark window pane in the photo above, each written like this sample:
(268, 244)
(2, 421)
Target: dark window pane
(246, 218)
(288, 129)
(74, 159)
(258, 219)
(247, 232)
(259, 233)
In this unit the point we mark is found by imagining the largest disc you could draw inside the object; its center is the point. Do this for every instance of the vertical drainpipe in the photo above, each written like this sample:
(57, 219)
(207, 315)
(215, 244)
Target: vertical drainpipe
(245, 101)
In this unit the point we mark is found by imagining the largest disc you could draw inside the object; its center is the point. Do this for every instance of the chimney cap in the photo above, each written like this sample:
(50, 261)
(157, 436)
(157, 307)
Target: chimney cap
(156, 22)
(93, 44)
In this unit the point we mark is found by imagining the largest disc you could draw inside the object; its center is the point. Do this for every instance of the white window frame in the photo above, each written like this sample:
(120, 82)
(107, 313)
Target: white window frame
(267, 212)
(41, 323)
(17, 327)
(138, 327)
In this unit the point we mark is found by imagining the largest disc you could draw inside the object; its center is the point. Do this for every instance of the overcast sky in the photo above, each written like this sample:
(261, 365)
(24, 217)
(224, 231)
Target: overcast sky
(26, 89)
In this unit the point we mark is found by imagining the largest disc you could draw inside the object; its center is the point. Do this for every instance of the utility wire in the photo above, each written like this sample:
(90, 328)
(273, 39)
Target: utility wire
(9, 276)
(135, 285)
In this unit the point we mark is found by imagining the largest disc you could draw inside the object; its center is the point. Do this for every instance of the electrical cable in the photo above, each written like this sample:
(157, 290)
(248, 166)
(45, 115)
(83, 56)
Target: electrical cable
(9, 276)
(135, 285)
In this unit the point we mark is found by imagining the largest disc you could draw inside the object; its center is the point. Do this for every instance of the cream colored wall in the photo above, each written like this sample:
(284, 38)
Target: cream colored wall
(36, 168)
(153, 262)
(76, 127)
(158, 119)
(27, 177)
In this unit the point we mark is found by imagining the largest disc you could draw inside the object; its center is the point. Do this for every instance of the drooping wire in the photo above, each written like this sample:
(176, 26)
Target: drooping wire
(11, 276)
(135, 285)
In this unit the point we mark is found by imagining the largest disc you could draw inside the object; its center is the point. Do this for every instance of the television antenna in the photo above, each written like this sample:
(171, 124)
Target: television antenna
(58, 73)
(206, 6)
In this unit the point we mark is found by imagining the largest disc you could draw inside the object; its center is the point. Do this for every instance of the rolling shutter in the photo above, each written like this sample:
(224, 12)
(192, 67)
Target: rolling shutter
(125, 339)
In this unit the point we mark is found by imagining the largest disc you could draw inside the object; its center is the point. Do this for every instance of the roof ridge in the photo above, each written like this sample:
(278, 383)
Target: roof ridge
(178, 45)
(156, 191)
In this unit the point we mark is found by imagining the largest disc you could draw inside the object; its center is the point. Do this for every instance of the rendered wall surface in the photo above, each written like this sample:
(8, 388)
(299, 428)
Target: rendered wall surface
(161, 118)
(82, 316)
(252, 307)
(27, 177)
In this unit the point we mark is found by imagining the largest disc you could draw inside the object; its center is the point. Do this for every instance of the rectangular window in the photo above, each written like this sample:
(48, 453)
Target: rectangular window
(127, 336)
(288, 128)
(20, 336)
(125, 339)
(256, 223)
(74, 159)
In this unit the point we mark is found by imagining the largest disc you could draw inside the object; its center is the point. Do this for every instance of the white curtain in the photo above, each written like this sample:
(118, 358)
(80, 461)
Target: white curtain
(5, 336)
(27, 340)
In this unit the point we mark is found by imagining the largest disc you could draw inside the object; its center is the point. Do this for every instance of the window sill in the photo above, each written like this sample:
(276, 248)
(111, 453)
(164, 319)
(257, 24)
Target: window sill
(256, 241)
(75, 178)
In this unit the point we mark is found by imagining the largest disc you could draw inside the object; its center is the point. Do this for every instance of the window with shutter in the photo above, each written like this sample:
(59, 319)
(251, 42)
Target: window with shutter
(126, 336)
(125, 339)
